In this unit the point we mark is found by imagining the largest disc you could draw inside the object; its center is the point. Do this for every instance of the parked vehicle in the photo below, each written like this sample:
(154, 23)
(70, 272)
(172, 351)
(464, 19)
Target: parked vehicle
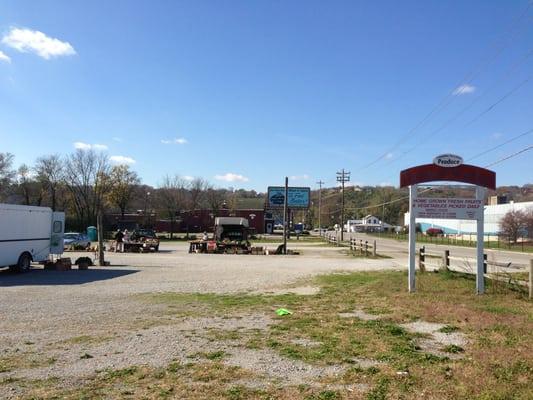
(75, 240)
(231, 236)
(142, 240)
(434, 232)
(29, 234)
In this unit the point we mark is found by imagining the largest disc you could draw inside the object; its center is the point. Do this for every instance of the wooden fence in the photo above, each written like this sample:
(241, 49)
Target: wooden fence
(356, 245)
(444, 259)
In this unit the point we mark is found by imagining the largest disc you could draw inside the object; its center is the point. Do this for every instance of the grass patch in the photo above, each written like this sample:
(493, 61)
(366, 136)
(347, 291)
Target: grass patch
(209, 304)
(499, 326)
(453, 348)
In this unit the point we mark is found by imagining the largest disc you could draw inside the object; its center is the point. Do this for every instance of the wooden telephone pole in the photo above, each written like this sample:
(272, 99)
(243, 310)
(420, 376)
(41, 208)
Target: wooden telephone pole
(342, 177)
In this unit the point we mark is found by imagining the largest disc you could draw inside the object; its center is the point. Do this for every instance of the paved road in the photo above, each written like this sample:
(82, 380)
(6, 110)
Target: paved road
(398, 249)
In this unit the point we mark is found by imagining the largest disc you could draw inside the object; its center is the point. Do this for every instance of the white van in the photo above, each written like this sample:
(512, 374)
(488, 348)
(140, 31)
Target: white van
(29, 234)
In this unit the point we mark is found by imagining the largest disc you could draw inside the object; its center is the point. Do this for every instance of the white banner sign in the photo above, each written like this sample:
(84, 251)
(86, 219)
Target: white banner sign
(449, 208)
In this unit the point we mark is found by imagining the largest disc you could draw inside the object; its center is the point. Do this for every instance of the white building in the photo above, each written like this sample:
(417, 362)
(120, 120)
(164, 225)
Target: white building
(493, 215)
(369, 223)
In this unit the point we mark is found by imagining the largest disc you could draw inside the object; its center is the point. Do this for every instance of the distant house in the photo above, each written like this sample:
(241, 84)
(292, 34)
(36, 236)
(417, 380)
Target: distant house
(370, 223)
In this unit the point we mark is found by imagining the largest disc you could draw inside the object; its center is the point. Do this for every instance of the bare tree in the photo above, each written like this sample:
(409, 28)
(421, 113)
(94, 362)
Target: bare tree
(6, 173)
(49, 171)
(23, 181)
(123, 184)
(214, 198)
(197, 189)
(171, 197)
(87, 178)
(30, 189)
(512, 223)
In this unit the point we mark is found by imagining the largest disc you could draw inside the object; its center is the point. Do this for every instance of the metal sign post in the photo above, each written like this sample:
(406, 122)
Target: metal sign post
(480, 273)
(412, 237)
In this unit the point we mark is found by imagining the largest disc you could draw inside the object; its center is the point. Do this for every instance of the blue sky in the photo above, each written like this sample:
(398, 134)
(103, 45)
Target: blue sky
(243, 93)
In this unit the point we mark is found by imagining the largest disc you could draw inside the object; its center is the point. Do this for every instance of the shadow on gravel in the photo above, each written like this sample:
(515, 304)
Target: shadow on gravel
(73, 277)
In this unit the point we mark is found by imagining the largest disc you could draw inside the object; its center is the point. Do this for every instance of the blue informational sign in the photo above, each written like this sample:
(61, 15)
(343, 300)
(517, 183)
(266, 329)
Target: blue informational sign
(298, 197)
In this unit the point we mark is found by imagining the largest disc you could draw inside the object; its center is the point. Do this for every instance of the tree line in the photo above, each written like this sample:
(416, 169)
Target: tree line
(85, 182)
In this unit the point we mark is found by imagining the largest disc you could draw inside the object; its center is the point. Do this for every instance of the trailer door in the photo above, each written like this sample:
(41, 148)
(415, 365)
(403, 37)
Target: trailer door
(58, 230)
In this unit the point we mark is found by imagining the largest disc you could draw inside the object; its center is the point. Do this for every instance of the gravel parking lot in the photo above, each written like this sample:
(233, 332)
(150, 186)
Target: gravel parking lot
(44, 313)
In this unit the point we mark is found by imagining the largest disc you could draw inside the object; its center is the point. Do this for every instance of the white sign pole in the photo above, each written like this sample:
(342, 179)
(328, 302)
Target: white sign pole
(413, 192)
(480, 278)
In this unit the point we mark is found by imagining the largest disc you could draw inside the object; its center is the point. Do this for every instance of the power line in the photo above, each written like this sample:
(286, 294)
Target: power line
(449, 121)
(530, 147)
(501, 99)
(501, 144)
(469, 77)
(511, 156)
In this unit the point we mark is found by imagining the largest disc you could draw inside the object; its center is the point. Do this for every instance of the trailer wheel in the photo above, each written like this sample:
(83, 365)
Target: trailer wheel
(24, 263)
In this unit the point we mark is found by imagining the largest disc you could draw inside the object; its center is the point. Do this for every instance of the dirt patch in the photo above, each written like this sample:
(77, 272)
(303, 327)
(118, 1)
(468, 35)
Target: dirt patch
(437, 342)
(286, 371)
(157, 346)
(305, 342)
(360, 314)
(366, 362)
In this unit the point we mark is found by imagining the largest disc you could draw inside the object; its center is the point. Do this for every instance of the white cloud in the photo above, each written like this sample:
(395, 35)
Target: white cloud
(87, 146)
(82, 146)
(174, 141)
(4, 57)
(117, 139)
(188, 178)
(28, 40)
(230, 177)
(464, 89)
(385, 184)
(388, 156)
(299, 177)
(122, 160)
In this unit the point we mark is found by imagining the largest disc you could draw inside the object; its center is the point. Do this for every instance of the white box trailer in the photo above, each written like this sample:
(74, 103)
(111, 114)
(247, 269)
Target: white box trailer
(29, 233)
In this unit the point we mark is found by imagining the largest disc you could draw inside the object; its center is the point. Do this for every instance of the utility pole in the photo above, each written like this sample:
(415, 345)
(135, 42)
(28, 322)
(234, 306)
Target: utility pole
(319, 183)
(342, 177)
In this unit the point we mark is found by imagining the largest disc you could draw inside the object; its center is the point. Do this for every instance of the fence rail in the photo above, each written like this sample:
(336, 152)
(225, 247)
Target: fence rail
(491, 241)
(445, 259)
(442, 258)
(357, 245)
